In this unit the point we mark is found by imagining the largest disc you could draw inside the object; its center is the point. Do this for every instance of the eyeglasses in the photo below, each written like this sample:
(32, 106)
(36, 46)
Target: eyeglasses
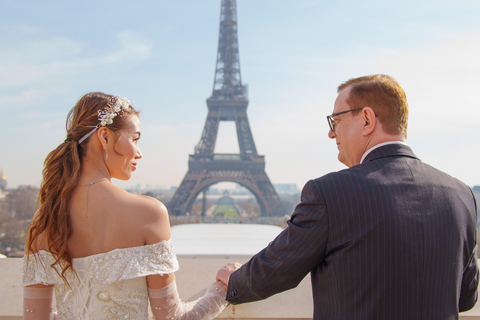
(331, 121)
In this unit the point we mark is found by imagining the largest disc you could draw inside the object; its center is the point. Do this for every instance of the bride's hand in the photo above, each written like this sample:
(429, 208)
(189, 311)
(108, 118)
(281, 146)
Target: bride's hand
(224, 273)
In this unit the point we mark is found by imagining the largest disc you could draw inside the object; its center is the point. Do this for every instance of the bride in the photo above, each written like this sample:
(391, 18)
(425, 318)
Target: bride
(105, 252)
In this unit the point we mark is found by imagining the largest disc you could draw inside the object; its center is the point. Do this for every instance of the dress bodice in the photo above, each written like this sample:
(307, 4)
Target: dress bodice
(109, 285)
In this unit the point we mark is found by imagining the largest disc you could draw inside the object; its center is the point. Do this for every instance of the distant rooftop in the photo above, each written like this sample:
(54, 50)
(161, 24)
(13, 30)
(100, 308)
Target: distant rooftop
(222, 239)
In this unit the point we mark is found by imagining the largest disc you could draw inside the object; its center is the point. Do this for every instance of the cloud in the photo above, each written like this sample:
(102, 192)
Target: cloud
(131, 47)
(441, 81)
(292, 78)
(440, 78)
(41, 57)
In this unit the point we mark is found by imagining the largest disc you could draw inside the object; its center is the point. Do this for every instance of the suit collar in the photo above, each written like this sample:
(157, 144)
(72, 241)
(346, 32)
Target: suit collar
(378, 146)
(390, 150)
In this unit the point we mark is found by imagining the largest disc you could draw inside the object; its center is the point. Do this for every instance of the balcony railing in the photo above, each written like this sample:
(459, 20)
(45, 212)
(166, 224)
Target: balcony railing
(195, 274)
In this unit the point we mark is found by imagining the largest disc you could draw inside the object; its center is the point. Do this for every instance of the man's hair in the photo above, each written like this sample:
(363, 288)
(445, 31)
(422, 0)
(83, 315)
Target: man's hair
(384, 95)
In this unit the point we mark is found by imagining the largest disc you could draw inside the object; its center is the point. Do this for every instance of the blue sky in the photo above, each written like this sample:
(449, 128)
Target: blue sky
(293, 55)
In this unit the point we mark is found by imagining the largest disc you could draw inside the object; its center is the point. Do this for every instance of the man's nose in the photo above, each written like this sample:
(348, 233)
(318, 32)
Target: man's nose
(331, 134)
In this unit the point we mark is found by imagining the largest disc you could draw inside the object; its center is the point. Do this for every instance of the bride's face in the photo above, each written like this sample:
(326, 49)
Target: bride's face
(123, 160)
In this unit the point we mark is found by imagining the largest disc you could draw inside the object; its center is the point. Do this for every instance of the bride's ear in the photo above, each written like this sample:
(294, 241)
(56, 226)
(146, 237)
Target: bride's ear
(103, 136)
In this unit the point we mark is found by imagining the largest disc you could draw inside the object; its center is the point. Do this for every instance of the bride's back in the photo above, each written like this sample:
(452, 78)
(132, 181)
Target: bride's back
(96, 244)
(82, 213)
(114, 219)
(83, 218)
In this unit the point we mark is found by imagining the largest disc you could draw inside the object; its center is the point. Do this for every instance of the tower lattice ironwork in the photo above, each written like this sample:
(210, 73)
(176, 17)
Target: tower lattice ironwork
(228, 102)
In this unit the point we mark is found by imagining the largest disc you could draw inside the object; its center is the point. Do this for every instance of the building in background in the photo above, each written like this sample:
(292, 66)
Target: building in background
(3, 182)
(286, 188)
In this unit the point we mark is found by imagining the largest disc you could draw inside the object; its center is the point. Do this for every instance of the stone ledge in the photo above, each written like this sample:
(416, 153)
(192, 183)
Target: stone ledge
(195, 274)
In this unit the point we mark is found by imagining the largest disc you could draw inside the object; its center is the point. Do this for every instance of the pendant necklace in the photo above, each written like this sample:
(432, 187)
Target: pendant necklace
(88, 189)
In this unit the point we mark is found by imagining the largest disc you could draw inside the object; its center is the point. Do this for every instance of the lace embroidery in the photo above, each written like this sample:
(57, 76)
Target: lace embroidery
(109, 285)
(37, 270)
(106, 268)
(123, 305)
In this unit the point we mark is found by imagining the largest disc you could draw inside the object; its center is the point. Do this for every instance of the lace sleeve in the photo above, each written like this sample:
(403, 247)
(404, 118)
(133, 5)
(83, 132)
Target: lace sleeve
(166, 304)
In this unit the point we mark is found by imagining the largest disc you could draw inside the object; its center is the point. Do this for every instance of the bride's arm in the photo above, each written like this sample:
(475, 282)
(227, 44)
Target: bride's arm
(166, 304)
(37, 302)
(164, 300)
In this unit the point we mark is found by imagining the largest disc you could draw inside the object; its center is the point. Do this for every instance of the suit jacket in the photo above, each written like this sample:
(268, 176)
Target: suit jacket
(391, 238)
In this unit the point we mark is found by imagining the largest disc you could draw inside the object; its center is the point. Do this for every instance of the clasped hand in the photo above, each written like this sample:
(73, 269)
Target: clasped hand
(224, 273)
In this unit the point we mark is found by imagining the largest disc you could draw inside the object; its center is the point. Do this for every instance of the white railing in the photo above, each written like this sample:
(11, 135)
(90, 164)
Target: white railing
(195, 274)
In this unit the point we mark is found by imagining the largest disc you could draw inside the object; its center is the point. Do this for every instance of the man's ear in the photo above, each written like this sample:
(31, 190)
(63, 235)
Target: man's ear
(103, 135)
(370, 121)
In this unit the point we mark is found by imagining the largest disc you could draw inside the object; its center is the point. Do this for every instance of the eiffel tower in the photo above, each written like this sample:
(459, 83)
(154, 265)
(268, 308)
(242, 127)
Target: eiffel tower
(228, 102)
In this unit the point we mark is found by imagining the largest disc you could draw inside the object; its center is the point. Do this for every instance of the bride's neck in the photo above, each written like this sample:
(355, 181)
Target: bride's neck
(93, 171)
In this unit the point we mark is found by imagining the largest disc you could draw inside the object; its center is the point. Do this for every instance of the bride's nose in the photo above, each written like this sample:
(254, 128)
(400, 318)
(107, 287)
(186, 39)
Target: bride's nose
(139, 154)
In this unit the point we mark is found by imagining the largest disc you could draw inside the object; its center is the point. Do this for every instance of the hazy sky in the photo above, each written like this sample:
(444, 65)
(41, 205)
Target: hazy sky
(293, 55)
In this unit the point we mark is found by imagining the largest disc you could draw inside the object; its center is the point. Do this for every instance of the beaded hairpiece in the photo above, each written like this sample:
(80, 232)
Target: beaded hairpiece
(116, 107)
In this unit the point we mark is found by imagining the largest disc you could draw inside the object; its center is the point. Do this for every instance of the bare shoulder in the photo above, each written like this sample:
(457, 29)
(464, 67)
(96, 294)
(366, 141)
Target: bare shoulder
(150, 208)
(125, 201)
(150, 215)
(157, 226)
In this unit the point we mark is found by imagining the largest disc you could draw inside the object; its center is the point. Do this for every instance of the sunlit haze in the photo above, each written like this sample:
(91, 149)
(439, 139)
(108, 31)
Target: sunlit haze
(293, 54)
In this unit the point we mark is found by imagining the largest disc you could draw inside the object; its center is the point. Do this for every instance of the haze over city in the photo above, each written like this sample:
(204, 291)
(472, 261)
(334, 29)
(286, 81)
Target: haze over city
(293, 54)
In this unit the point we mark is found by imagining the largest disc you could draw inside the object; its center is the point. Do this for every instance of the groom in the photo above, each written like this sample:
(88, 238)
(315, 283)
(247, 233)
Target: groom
(388, 238)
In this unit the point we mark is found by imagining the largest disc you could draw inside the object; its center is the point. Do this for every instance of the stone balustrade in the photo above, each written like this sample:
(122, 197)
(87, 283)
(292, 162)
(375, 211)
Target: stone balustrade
(195, 274)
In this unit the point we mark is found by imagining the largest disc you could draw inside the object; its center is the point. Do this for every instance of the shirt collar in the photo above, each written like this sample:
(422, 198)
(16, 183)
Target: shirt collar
(378, 146)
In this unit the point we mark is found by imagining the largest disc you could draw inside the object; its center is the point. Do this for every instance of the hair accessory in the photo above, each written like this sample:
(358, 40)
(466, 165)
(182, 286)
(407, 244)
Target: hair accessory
(116, 107)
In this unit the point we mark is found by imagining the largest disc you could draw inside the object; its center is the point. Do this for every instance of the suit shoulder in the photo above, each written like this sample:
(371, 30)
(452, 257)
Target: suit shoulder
(438, 177)
(337, 177)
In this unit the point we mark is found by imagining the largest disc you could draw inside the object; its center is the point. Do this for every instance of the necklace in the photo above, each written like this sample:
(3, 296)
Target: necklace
(88, 189)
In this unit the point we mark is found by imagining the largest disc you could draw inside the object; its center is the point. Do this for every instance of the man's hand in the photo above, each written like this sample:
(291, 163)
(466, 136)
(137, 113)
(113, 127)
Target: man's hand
(224, 273)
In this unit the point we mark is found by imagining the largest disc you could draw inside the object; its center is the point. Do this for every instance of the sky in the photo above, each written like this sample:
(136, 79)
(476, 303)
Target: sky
(293, 55)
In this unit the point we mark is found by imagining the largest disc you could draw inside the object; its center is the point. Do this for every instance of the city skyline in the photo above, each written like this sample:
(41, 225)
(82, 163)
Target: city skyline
(161, 55)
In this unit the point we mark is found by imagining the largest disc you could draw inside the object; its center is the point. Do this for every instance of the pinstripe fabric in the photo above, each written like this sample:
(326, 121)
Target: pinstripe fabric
(392, 238)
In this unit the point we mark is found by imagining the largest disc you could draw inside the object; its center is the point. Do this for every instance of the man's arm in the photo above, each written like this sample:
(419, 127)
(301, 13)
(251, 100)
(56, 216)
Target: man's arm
(287, 259)
(468, 290)
(468, 293)
(224, 273)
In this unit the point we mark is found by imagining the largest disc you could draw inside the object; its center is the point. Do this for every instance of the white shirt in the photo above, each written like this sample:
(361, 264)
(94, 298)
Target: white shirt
(378, 146)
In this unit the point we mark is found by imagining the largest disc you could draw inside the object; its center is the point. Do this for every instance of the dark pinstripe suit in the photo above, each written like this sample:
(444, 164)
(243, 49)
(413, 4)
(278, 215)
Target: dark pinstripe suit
(391, 238)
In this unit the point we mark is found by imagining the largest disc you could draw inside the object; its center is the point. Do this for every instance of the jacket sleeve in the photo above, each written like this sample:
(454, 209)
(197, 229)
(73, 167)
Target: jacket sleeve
(468, 293)
(289, 257)
(468, 290)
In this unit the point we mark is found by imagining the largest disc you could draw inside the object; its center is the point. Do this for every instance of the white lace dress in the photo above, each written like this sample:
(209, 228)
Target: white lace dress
(109, 285)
